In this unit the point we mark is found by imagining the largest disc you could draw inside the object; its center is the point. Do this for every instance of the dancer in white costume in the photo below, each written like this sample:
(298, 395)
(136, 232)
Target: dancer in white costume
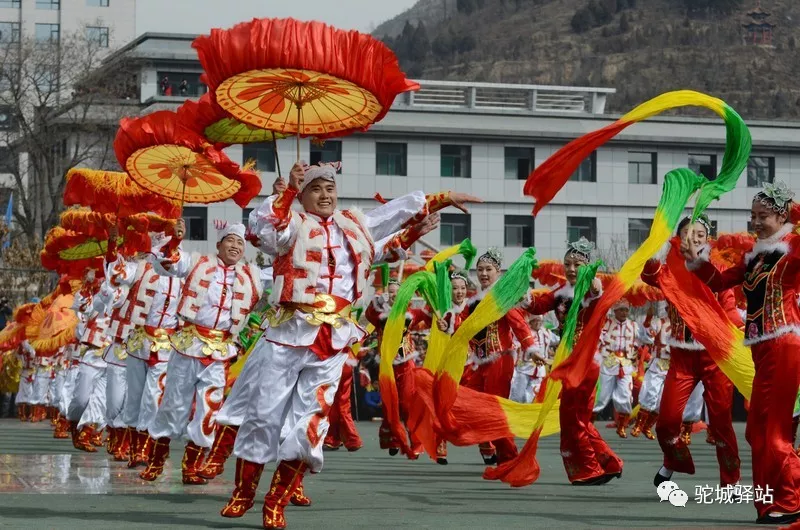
(531, 367)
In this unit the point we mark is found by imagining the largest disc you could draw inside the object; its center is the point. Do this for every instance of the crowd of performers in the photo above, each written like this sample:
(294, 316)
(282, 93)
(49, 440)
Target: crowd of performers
(159, 334)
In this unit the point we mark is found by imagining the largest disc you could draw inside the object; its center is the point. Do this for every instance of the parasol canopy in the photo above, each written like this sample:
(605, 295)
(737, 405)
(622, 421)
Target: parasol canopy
(14, 333)
(133, 230)
(72, 254)
(206, 117)
(55, 326)
(114, 192)
(170, 160)
(304, 78)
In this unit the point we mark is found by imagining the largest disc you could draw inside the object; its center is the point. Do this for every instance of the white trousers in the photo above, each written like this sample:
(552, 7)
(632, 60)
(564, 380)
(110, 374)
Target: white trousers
(25, 390)
(65, 396)
(56, 385)
(616, 389)
(88, 382)
(40, 387)
(95, 412)
(287, 417)
(652, 388)
(145, 389)
(187, 382)
(116, 388)
(235, 407)
(524, 387)
(694, 407)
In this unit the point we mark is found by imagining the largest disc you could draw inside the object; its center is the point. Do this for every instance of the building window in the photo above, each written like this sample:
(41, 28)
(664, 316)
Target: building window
(196, 222)
(330, 151)
(519, 162)
(45, 77)
(47, 33)
(578, 227)
(390, 159)
(587, 171)
(760, 170)
(183, 84)
(454, 228)
(97, 35)
(518, 231)
(705, 165)
(263, 153)
(456, 161)
(9, 4)
(642, 168)
(48, 4)
(97, 3)
(246, 216)
(9, 32)
(638, 230)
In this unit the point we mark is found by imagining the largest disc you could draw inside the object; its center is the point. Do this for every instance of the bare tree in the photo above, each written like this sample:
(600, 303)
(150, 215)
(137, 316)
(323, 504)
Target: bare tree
(615, 254)
(53, 116)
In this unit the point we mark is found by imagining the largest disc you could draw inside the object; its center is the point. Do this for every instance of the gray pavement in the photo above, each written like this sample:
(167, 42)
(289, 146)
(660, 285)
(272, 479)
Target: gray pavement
(45, 483)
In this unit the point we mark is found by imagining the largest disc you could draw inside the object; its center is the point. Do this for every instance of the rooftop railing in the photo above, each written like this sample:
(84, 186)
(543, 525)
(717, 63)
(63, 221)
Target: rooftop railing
(457, 95)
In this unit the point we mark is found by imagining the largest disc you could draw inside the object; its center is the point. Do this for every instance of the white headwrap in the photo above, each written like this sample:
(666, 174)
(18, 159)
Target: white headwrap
(323, 171)
(224, 229)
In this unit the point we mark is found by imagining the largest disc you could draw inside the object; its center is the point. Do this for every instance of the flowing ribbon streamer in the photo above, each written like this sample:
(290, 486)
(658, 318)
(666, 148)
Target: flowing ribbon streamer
(465, 248)
(709, 323)
(499, 300)
(524, 469)
(546, 180)
(679, 186)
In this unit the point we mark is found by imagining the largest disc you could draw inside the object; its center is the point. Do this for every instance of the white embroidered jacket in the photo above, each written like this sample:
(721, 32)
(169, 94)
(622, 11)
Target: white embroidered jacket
(152, 299)
(325, 256)
(619, 340)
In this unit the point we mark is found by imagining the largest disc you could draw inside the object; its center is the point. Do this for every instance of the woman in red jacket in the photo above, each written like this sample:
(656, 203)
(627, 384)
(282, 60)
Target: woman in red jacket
(769, 277)
(588, 459)
(690, 364)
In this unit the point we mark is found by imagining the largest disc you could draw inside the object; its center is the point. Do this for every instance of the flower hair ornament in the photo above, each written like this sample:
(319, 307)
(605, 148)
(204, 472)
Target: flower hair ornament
(581, 248)
(493, 256)
(777, 196)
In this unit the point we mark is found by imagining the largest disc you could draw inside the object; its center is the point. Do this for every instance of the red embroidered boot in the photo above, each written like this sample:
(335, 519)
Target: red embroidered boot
(622, 424)
(83, 439)
(147, 447)
(299, 497)
(62, 428)
(220, 451)
(135, 457)
(192, 461)
(97, 438)
(648, 428)
(284, 483)
(159, 452)
(123, 450)
(111, 440)
(639, 423)
(21, 412)
(39, 414)
(246, 483)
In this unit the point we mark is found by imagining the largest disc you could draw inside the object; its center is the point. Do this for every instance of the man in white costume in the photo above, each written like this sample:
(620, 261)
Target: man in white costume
(653, 385)
(219, 292)
(618, 342)
(322, 261)
(531, 366)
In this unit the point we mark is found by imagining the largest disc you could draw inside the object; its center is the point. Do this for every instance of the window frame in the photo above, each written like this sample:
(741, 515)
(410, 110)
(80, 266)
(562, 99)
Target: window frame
(98, 3)
(526, 223)
(464, 158)
(50, 39)
(187, 215)
(453, 220)
(770, 171)
(592, 160)
(316, 148)
(246, 216)
(262, 148)
(403, 172)
(592, 228)
(102, 35)
(638, 230)
(15, 32)
(48, 5)
(10, 4)
(531, 157)
(712, 162)
(653, 163)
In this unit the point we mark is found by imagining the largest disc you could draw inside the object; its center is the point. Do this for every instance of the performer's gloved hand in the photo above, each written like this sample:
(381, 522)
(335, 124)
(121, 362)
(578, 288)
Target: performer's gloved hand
(279, 186)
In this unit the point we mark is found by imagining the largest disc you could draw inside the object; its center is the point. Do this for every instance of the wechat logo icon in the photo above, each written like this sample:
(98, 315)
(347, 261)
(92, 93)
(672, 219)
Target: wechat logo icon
(671, 492)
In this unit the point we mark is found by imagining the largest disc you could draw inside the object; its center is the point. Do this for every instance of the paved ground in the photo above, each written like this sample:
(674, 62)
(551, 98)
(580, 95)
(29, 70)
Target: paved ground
(45, 483)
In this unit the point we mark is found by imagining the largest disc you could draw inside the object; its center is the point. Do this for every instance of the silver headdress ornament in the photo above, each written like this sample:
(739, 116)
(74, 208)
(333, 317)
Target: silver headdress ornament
(458, 275)
(777, 196)
(493, 256)
(582, 248)
(393, 281)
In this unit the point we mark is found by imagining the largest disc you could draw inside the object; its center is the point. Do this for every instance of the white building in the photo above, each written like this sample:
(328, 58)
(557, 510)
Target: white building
(111, 22)
(484, 139)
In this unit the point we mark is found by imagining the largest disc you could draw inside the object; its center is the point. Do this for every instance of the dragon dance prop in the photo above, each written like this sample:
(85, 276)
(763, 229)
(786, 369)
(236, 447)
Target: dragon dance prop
(524, 469)
(301, 78)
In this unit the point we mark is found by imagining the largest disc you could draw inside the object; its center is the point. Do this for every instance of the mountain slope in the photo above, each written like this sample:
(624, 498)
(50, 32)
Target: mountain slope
(639, 47)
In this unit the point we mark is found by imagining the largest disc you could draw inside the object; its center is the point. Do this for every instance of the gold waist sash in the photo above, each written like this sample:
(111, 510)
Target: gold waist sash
(326, 309)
